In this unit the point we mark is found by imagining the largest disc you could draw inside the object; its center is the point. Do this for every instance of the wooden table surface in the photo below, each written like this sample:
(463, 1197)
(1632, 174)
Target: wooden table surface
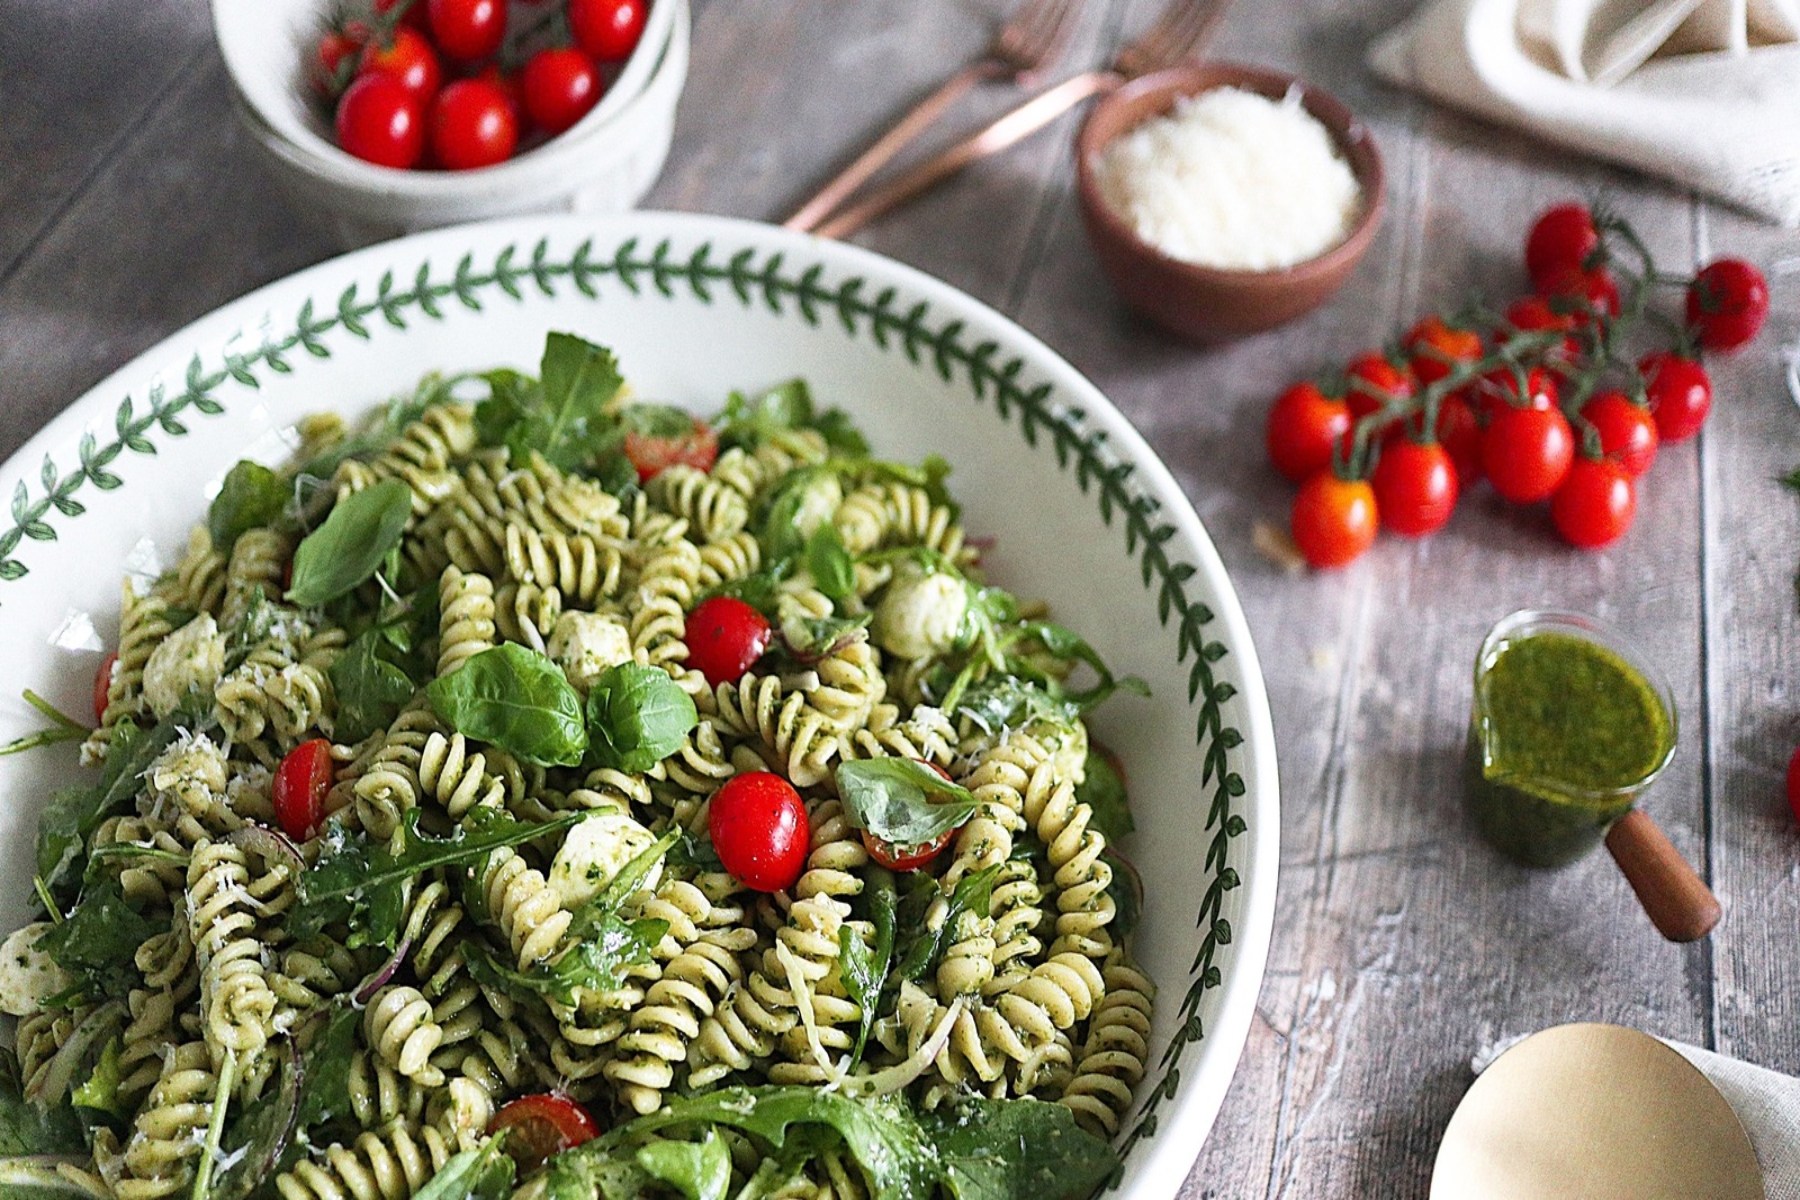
(130, 203)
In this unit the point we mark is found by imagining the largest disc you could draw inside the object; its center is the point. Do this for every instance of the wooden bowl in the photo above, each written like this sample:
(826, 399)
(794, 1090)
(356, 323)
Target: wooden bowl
(1212, 304)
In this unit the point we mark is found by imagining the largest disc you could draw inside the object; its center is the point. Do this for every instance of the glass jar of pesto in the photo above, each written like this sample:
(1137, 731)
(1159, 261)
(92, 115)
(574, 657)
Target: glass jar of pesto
(1567, 728)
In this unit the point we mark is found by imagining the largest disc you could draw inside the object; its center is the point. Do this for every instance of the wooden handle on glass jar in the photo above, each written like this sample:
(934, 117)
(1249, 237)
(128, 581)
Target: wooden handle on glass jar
(1677, 901)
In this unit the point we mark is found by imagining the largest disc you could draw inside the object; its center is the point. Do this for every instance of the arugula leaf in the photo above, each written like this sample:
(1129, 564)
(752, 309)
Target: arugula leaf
(973, 893)
(929, 476)
(511, 394)
(251, 496)
(829, 561)
(698, 1170)
(326, 1067)
(901, 801)
(864, 967)
(260, 1133)
(517, 699)
(563, 415)
(401, 411)
(370, 690)
(74, 813)
(481, 1173)
(750, 421)
(1102, 789)
(761, 590)
(348, 548)
(1071, 647)
(1016, 1150)
(98, 943)
(361, 881)
(1002, 702)
(636, 717)
(780, 530)
(28, 1128)
(100, 1091)
(695, 852)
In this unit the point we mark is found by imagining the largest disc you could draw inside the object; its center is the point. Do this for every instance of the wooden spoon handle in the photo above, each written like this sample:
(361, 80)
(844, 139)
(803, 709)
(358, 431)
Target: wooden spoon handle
(1676, 900)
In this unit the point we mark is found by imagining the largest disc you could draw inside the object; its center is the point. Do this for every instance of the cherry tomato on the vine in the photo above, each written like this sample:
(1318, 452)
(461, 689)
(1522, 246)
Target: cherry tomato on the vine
(1564, 238)
(1526, 453)
(380, 121)
(1459, 432)
(413, 17)
(1680, 393)
(1595, 289)
(409, 58)
(1533, 314)
(1334, 520)
(1374, 381)
(1627, 431)
(724, 636)
(509, 86)
(1726, 303)
(333, 61)
(908, 858)
(467, 30)
(1437, 348)
(298, 792)
(1499, 388)
(103, 684)
(473, 124)
(1595, 504)
(542, 1125)
(1793, 784)
(607, 29)
(560, 87)
(1305, 427)
(759, 827)
(1415, 487)
(650, 453)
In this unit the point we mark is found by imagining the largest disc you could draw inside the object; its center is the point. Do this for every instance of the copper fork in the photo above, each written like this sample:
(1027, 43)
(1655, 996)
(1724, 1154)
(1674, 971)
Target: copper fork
(1181, 32)
(1031, 39)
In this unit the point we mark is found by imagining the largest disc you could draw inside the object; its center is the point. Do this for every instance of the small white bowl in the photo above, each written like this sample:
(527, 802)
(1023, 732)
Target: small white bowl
(604, 164)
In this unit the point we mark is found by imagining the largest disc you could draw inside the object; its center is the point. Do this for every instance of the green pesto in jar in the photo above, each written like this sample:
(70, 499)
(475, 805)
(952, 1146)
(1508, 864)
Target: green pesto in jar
(1565, 733)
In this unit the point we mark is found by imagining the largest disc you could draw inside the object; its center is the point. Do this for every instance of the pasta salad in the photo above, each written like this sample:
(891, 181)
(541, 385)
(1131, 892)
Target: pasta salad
(533, 791)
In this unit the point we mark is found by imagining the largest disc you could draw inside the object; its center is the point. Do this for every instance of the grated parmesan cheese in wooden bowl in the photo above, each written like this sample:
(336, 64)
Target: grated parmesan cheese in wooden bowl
(1232, 179)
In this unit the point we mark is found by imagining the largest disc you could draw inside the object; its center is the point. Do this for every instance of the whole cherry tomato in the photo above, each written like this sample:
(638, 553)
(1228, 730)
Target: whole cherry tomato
(1459, 432)
(1563, 239)
(540, 1126)
(103, 685)
(1374, 381)
(467, 30)
(1499, 389)
(560, 87)
(908, 858)
(1726, 303)
(1595, 289)
(473, 124)
(1305, 427)
(724, 637)
(650, 452)
(334, 60)
(380, 121)
(412, 14)
(1334, 520)
(1533, 314)
(301, 781)
(1680, 393)
(1627, 431)
(1415, 487)
(1793, 784)
(408, 57)
(607, 29)
(509, 86)
(759, 827)
(1595, 503)
(1438, 348)
(1526, 453)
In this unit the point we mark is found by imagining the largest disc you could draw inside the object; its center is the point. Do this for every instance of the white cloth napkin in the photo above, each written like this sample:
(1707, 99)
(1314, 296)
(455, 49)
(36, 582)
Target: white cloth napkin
(1715, 107)
(1767, 1104)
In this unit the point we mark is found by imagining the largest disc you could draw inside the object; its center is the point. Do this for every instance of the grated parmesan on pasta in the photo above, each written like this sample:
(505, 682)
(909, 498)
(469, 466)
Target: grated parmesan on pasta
(1232, 179)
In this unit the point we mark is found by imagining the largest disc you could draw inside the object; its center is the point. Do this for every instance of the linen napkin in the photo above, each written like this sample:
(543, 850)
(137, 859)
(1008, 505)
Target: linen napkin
(1704, 93)
(1767, 1104)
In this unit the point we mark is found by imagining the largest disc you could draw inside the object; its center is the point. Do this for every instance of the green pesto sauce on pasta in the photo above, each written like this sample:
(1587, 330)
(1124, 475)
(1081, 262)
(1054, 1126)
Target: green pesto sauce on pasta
(999, 971)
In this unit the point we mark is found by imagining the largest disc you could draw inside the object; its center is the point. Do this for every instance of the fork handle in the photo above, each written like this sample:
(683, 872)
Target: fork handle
(1010, 129)
(923, 116)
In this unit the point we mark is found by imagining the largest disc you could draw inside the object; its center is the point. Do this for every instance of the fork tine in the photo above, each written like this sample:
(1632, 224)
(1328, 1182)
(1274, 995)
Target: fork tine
(1036, 32)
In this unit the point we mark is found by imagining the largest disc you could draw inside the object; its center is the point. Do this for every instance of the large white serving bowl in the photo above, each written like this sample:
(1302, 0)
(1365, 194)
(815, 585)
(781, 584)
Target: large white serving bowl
(604, 164)
(1084, 515)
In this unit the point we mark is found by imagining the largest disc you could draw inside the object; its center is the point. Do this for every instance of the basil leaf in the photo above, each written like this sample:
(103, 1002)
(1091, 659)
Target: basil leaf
(1016, 1150)
(698, 1170)
(98, 942)
(1071, 647)
(864, 967)
(636, 717)
(1102, 789)
(810, 640)
(370, 690)
(516, 699)
(829, 561)
(973, 893)
(251, 496)
(510, 396)
(340, 554)
(903, 802)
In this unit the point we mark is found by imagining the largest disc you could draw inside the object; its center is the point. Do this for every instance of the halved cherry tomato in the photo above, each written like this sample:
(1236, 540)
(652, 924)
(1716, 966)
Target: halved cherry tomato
(1374, 381)
(1437, 348)
(724, 636)
(759, 827)
(103, 684)
(1627, 431)
(1305, 427)
(542, 1125)
(301, 782)
(908, 858)
(1680, 393)
(650, 453)
(1333, 520)
(1726, 303)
